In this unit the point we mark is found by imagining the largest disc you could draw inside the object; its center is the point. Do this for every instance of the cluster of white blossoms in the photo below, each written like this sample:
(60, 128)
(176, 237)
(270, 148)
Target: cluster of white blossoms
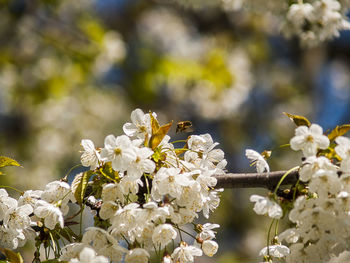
(318, 206)
(156, 191)
(34, 209)
(321, 218)
(312, 21)
(316, 21)
(144, 194)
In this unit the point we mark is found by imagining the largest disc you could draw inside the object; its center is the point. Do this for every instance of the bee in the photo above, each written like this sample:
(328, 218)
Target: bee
(184, 126)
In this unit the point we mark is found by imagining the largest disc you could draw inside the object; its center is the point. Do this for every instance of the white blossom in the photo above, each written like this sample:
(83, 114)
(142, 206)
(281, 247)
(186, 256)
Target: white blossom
(186, 216)
(152, 213)
(202, 153)
(264, 206)
(290, 235)
(343, 150)
(142, 163)
(309, 140)
(299, 206)
(206, 178)
(108, 209)
(314, 166)
(52, 214)
(71, 251)
(163, 234)
(299, 13)
(343, 147)
(17, 218)
(201, 143)
(57, 191)
(207, 232)
(88, 255)
(324, 183)
(210, 247)
(113, 251)
(276, 251)
(130, 186)
(169, 181)
(6, 203)
(104, 243)
(111, 192)
(167, 259)
(119, 151)
(137, 255)
(10, 238)
(212, 201)
(29, 197)
(90, 156)
(258, 160)
(140, 125)
(97, 238)
(125, 219)
(185, 253)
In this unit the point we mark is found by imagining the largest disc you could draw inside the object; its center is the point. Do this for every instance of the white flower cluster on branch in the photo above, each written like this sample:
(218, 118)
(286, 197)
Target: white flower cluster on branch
(321, 217)
(316, 21)
(317, 205)
(312, 21)
(144, 192)
(33, 209)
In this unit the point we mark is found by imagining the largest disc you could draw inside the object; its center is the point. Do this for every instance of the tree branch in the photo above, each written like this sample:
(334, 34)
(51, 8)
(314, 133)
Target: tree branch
(255, 180)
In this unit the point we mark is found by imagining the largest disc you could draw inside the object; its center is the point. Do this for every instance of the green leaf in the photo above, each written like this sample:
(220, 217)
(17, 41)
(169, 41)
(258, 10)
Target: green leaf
(65, 234)
(158, 155)
(79, 185)
(338, 131)
(6, 161)
(72, 234)
(107, 171)
(158, 136)
(69, 234)
(298, 120)
(12, 256)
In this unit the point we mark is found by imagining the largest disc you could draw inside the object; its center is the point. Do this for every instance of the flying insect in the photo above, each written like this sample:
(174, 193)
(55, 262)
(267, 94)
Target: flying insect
(184, 126)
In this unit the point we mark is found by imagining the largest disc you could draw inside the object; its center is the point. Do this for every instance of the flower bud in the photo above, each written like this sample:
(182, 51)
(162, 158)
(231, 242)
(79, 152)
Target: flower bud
(210, 247)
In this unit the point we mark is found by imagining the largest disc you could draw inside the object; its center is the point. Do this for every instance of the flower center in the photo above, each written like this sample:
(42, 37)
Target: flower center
(324, 179)
(309, 138)
(117, 151)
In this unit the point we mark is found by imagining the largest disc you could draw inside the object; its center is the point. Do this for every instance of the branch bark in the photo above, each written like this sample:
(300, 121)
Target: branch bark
(255, 180)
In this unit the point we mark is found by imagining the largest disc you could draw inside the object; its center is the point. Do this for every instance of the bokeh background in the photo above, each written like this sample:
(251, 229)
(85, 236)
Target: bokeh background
(71, 70)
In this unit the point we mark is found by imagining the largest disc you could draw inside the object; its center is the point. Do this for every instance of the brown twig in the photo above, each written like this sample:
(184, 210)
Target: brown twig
(255, 180)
